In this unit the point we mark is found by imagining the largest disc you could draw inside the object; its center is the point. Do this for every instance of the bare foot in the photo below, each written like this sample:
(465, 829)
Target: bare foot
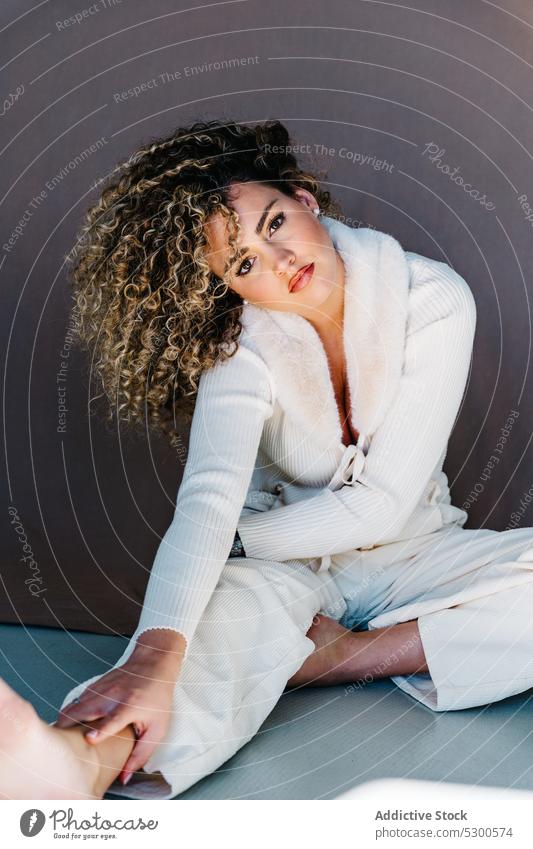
(39, 761)
(335, 645)
(343, 656)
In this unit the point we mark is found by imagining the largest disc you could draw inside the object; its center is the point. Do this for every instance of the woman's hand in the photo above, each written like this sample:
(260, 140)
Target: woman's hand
(138, 692)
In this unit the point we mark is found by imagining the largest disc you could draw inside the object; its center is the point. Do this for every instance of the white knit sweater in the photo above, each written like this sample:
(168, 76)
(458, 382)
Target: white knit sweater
(265, 449)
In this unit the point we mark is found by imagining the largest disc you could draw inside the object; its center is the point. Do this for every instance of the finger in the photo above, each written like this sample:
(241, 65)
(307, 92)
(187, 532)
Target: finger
(80, 712)
(62, 721)
(140, 754)
(109, 726)
(87, 710)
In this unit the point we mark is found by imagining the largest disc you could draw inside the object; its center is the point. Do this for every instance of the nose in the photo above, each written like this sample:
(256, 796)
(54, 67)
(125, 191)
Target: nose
(283, 261)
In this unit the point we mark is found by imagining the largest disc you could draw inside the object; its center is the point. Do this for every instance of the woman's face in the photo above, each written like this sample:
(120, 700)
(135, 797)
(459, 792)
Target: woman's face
(279, 236)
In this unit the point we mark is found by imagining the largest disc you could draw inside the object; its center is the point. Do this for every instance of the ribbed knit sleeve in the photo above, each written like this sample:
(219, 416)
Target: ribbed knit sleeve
(234, 399)
(404, 449)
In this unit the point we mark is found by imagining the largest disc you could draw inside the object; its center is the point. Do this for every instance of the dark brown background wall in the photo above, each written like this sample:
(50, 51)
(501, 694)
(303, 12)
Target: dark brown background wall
(431, 89)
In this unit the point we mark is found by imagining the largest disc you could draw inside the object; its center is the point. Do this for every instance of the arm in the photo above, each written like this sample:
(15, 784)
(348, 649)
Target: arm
(234, 400)
(405, 448)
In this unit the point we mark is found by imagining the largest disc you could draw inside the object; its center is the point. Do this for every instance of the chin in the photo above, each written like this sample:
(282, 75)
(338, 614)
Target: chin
(318, 291)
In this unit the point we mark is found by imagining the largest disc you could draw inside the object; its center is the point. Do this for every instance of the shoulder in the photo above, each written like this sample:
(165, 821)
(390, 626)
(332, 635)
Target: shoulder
(437, 291)
(432, 285)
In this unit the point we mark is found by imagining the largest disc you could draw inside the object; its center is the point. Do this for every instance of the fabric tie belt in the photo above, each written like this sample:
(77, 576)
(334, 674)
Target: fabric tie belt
(349, 468)
(346, 474)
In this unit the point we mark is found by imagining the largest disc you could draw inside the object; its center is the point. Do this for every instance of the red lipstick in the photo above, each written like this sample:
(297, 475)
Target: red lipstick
(301, 278)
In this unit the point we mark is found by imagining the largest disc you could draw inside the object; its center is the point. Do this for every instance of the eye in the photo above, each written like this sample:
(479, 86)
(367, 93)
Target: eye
(280, 217)
(242, 273)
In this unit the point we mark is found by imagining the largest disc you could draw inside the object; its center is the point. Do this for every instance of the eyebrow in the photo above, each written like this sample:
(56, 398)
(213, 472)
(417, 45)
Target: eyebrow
(258, 229)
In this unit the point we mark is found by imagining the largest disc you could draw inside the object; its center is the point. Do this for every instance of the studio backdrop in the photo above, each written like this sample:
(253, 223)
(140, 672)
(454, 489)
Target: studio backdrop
(419, 116)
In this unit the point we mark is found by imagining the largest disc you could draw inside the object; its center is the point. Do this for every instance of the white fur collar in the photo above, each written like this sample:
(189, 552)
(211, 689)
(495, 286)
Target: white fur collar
(375, 315)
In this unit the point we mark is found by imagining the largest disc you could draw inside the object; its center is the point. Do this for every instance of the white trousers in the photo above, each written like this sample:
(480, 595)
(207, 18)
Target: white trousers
(470, 590)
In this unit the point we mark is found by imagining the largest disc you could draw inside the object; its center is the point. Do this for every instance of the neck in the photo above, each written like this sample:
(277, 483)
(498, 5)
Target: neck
(329, 320)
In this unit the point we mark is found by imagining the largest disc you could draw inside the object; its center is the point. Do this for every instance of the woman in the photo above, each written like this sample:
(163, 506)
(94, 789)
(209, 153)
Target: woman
(314, 541)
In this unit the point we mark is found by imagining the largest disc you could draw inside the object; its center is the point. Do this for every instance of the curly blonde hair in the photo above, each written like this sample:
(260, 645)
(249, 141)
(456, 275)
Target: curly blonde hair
(146, 304)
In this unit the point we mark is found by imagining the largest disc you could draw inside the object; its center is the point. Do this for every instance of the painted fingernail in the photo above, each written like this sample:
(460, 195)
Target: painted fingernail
(92, 734)
(126, 778)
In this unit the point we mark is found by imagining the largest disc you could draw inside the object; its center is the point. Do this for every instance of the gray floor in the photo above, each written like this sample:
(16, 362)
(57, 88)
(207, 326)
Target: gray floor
(317, 742)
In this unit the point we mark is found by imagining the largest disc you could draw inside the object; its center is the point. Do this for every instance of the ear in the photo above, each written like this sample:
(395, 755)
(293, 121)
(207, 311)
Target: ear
(306, 198)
